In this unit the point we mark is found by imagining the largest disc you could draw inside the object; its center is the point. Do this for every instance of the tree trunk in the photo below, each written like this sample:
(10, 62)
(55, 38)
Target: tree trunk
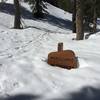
(17, 21)
(74, 17)
(94, 18)
(79, 20)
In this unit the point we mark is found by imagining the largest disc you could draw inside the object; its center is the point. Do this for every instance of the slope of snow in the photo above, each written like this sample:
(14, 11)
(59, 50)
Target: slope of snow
(24, 72)
(59, 12)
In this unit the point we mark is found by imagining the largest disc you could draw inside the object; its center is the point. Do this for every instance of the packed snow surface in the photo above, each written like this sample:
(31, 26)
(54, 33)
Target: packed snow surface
(24, 72)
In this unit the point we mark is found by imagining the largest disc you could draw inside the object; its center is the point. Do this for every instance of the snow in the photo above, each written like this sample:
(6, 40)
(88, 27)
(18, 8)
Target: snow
(24, 72)
(59, 13)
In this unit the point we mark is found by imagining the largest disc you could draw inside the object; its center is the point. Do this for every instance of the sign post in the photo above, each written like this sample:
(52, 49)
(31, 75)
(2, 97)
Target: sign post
(63, 58)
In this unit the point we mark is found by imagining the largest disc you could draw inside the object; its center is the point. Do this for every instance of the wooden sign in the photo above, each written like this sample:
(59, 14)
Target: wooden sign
(63, 58)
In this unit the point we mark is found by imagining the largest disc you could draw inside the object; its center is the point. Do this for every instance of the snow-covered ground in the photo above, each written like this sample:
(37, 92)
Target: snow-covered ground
(24, 73)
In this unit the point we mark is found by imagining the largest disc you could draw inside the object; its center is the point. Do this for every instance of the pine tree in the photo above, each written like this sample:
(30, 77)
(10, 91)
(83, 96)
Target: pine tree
(53, 2)
(65, 5)
(79, 20)
(94, 16)
(38, 12)
(37, 7)
(17, 21)
(74, 17)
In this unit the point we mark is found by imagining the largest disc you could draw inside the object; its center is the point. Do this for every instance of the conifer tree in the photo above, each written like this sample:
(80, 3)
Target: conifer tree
(79, 20)
(37, 7)
(94, 16)
(74, 16)
(38, 11)
(17, 20)
(53, 2)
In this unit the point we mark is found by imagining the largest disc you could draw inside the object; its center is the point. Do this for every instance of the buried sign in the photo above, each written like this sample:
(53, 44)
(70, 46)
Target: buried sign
(63, 58)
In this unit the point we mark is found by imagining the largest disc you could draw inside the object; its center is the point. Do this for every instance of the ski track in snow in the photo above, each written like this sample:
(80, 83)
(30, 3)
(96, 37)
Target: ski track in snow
(42, 43)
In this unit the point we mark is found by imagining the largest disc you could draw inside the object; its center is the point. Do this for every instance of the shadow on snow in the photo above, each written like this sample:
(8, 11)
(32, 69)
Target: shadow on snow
(86, 93)
(9, 9)
(26, 14)
(21, 97)
(59, 22)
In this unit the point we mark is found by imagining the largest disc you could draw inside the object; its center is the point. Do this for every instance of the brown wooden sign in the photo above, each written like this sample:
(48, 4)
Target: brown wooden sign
(64, 58)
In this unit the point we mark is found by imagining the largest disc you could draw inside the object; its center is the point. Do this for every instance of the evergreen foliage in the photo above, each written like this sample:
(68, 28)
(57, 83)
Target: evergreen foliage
(37, 7)
(65, 5)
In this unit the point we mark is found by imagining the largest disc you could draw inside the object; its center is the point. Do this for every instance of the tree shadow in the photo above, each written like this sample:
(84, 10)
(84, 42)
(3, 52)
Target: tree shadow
(22, 97)
(9, 9)
(59, 22)
(26, 14)
(86, 93)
